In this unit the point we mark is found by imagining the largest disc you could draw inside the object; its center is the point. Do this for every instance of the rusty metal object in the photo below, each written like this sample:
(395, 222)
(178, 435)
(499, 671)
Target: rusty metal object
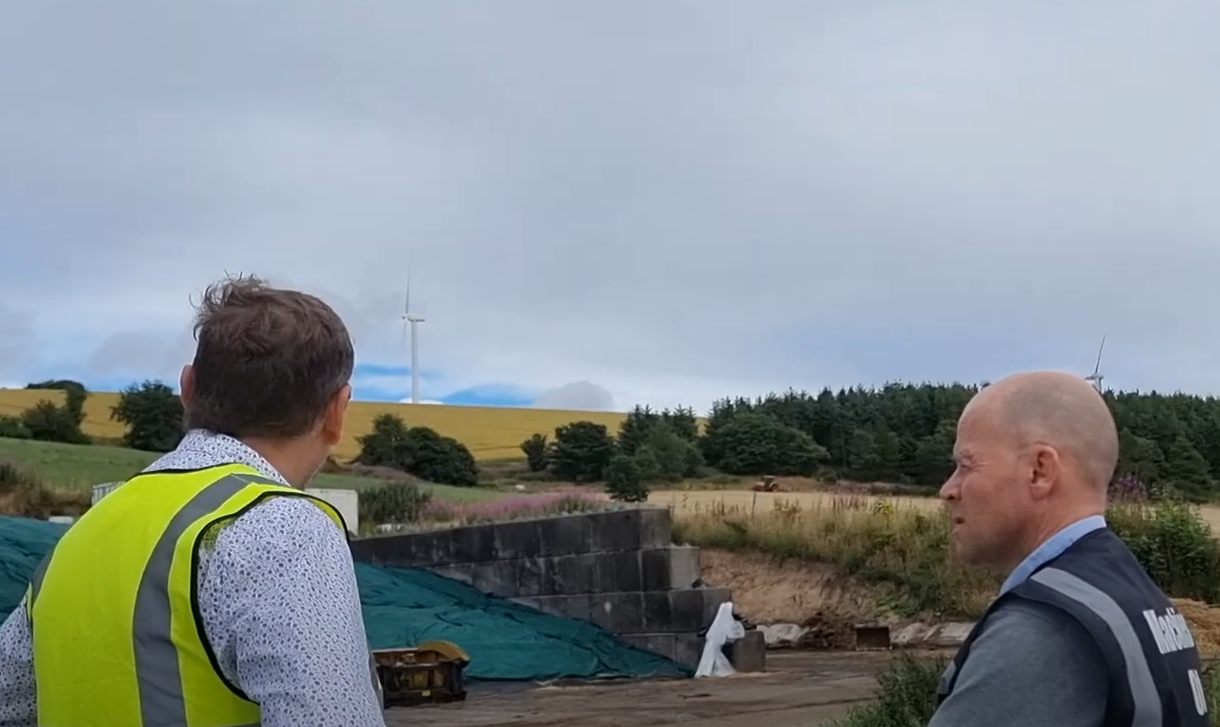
(431, 672)
(872, 637)
(768, 484)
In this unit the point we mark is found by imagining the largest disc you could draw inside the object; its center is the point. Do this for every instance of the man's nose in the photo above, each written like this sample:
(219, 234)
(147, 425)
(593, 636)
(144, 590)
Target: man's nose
(949, 490)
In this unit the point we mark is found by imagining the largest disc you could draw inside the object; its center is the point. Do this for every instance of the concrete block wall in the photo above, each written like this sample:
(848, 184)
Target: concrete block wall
(617, 569)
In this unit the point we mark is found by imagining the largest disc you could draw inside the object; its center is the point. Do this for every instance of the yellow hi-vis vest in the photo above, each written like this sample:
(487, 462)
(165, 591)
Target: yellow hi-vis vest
(117, 636)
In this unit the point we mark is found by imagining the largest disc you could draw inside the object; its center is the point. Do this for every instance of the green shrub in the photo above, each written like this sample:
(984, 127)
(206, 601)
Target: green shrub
(13, 428)
(1174, 543)
(665, 456)
(906, 695)
(419, 451)
(153, 414)
(13, 476)
(393, 502)
(749, 444)
(537, 454)
(581, 451)
(47, 422)
(625, 479)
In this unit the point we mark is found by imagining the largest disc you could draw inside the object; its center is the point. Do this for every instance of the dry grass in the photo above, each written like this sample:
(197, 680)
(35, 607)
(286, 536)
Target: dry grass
(695, 501)
(902, 542)
(489, 432)
(745, 501)
(899, 544)
(23, 493)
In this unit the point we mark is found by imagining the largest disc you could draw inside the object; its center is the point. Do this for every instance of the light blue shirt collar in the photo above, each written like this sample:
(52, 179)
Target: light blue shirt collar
(1052, 548)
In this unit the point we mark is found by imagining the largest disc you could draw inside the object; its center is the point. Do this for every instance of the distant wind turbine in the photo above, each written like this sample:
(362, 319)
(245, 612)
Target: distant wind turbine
(1097, 377)
(412, 320)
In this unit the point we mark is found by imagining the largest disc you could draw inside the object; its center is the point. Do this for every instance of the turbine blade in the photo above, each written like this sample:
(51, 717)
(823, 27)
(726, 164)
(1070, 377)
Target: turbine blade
(1100, 348)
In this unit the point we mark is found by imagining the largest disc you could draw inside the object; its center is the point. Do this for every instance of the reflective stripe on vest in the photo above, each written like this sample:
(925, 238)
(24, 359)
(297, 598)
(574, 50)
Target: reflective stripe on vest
(1145, 700)
(148, 666)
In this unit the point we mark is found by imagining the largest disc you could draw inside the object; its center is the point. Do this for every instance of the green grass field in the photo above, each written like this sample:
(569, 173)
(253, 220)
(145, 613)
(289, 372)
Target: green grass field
(74, 465)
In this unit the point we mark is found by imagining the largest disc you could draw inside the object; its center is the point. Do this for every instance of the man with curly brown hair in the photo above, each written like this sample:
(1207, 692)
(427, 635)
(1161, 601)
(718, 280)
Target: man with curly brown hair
(209, 589)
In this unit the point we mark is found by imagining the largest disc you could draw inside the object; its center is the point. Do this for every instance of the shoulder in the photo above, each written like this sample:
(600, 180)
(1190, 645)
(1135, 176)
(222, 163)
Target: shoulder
(1036, 643)
(1026, 649)
(284, 524)
(1017, 619)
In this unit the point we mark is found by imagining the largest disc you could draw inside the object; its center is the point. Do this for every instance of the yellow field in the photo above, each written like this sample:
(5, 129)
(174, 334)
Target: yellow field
(489, 432)
(690, 502)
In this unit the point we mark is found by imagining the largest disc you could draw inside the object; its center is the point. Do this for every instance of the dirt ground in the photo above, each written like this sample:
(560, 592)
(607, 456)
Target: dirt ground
(808, 594)
(813, 594)
(799, 689)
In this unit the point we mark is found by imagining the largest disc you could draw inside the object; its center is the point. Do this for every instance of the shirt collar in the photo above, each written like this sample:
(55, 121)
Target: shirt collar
(200, 448)
(1052, 548)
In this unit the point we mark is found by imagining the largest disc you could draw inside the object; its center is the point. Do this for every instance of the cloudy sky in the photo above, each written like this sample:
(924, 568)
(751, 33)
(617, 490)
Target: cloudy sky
(611, 203)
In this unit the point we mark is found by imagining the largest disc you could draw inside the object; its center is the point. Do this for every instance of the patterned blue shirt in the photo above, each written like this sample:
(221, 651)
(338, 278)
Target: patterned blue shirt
(279, 604)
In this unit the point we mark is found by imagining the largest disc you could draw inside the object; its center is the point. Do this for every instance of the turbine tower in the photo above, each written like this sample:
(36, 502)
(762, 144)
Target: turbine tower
(1097, 377)
(412, 320)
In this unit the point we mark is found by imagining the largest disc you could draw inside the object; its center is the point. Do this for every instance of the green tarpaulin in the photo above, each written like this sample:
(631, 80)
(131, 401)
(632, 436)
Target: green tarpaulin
(403, 607)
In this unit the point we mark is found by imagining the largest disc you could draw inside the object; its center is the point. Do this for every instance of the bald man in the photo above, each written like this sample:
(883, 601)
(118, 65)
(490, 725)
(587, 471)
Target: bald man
(1079, 636)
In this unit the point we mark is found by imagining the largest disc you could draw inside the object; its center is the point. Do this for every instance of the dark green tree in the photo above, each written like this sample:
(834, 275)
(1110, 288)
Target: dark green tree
(537, 452)
(581, 451)
(625, 479)
(153, 415)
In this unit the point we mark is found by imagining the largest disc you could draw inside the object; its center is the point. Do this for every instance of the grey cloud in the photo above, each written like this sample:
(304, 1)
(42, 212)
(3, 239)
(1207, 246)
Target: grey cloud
(17, 345)
(576, 395)
(770, 194)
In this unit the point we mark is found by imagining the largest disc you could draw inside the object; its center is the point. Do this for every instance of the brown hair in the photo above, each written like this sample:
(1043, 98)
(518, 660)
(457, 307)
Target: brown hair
(268, 361)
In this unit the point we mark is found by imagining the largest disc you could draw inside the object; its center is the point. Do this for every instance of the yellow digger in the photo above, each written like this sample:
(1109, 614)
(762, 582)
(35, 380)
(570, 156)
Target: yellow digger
(429, 673)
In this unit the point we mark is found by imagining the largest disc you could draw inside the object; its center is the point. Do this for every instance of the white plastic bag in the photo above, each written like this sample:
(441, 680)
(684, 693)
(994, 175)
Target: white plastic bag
(724, 629)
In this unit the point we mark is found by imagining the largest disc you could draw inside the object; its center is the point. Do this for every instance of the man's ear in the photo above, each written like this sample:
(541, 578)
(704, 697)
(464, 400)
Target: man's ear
(336, 412)
(186, 385)
(1045, 467)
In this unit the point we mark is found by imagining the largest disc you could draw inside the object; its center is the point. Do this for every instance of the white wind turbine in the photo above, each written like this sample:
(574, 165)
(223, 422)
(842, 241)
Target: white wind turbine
(1097, 377)
(409, 319)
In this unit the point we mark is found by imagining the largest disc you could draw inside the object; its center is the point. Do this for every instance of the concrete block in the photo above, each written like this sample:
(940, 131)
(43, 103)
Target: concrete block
(462, 572)
(432, 548)
(565, 535)
(688, 649)
(749, 653)
(675, 566)
(618, 613)
(663, 644)
(571, 606)
(574, 574)
(620, 572)
(496, 578)
(656, 528)
(712, 598)
(535, 576)
(615, 530)
(682, 648)
(473, 544)
(658, 611)
(528, 601)
(687, 609)
(520, 539)
(654, 570)
(393, 550)
(683, 566)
